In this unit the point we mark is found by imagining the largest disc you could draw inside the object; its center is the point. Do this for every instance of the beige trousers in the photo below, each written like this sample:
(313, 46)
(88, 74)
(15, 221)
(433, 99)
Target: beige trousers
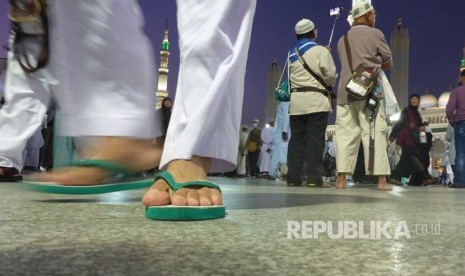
(353, 126)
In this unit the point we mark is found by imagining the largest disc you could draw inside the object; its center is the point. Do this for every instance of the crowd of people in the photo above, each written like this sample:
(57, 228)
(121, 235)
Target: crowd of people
(400, 157)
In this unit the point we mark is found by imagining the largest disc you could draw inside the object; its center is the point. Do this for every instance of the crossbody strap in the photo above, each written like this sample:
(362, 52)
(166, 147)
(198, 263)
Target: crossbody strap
(318, 78)
(349, 53)
(282, 73)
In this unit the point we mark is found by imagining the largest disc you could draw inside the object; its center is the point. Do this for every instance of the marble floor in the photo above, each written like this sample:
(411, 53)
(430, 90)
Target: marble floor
(270, 229)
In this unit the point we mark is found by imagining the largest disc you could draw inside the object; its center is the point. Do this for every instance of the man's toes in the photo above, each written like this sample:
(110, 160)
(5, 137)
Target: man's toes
(180, 197)
(216, 196)
(205, 197)
(157, 195)
(192, 198)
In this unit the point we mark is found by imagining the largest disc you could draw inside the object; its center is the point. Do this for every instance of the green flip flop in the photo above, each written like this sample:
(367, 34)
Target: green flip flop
(171, 212)
(121, 180)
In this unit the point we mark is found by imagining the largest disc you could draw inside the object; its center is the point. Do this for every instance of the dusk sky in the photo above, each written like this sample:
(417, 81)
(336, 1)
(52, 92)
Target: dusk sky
(436, 28)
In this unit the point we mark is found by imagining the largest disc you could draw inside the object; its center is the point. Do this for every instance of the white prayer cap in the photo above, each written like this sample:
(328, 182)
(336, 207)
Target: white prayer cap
(304, 26)
(360, 9)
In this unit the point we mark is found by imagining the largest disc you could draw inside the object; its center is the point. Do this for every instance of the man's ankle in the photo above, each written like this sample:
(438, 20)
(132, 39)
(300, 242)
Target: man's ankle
(382, 180)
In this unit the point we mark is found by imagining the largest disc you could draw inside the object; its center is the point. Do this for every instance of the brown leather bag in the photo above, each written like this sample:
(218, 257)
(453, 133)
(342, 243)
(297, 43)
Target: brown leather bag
(252, 147)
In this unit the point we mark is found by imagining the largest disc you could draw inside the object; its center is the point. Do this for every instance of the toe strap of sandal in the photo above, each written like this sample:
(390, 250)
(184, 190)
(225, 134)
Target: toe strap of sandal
(109, 166)
(176, 186)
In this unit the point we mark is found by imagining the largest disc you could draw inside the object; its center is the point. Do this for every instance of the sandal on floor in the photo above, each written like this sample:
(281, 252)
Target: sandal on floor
(10, 175)
(121, 179)
(171, 212)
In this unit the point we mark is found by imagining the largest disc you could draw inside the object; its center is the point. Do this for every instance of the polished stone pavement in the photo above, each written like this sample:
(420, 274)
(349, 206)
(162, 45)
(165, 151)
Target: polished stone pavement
(49, 234)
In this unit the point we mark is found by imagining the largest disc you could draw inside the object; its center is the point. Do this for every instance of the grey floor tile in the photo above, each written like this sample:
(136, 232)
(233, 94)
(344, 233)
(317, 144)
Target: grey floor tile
(46, 234)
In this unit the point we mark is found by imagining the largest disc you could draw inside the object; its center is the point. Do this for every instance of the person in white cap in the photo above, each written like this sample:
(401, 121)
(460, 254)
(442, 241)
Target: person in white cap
(265, 149)
(368, 48)
(312, 76)
(252, 146)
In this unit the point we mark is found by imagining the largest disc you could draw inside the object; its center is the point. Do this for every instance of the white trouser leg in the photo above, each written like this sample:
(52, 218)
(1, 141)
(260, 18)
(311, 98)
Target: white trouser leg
(214, 42)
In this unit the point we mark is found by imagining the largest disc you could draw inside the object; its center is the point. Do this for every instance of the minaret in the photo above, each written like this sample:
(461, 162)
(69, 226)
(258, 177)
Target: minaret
(273, 79)
(400, 44)
(162, 91)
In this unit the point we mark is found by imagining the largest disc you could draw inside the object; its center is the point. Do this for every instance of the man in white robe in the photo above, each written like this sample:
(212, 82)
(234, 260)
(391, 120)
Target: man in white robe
(266, 148)
(281, 137)
(91, 78)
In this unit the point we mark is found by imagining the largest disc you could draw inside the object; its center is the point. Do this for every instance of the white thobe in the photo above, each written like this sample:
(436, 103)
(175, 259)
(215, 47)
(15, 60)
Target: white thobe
(265, 150)
(242, 153)
(330, 148)
(279, 151)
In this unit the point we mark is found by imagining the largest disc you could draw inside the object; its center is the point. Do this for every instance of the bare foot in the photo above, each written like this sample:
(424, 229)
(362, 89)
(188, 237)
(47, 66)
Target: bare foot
(341, 181)
(184, 171)
(134, 154)
(383, 184)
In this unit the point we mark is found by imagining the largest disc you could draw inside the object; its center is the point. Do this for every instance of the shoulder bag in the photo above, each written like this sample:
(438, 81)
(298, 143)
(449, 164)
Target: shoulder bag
(363, 78)
(283, 91)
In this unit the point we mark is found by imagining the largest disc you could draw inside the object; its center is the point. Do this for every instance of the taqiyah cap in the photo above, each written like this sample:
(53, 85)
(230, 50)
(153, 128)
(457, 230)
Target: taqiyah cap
(304, 26)
(360, 9)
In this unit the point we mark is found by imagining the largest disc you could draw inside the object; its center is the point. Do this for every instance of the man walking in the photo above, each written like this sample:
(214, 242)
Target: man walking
(265, 149)
(253, 148)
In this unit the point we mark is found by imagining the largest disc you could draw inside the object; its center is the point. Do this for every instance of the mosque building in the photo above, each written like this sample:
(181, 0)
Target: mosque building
(162, 91)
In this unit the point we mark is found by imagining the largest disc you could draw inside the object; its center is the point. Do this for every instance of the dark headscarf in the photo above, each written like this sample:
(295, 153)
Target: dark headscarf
(414, 110)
